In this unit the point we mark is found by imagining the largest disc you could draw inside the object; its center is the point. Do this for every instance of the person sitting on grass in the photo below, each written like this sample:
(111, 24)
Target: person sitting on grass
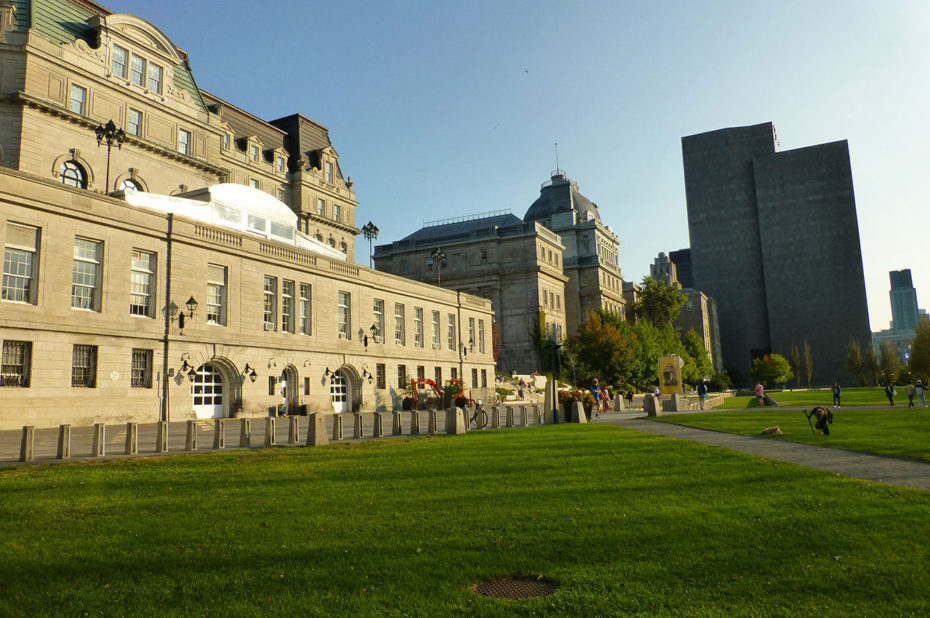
(824, 418)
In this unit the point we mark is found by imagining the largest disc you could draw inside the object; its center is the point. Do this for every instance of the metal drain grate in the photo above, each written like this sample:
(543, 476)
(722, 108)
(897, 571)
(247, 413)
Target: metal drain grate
(515, 587)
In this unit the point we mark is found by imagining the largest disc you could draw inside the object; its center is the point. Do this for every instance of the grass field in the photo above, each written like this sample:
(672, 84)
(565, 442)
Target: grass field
(865, 396)
(626, 523)
(898, 431)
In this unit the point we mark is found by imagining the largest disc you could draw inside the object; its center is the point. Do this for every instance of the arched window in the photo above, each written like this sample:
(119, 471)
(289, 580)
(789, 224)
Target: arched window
(129, 183)
(319, 237)
(343, 247)
(332, 243)
(73, 174)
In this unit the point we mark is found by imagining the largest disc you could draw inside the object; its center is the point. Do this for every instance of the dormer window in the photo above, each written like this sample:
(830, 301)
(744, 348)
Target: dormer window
(253, 153)
(119, 61)
(329, 172)
(225, 141)
(280, 164)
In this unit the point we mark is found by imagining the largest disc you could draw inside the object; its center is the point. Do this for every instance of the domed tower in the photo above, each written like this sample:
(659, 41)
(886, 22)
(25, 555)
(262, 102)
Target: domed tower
(591, 249)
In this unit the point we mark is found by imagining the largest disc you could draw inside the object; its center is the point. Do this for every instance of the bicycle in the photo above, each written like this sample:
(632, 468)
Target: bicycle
(480, 418)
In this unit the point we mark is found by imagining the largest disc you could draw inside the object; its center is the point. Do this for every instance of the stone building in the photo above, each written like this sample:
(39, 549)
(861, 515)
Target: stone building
(555, 266)
(775, 241)
(102, 267)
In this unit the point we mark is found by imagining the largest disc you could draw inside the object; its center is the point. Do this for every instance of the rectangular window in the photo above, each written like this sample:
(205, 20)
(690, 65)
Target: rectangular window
(280, 164)
(454, 373)
(321, 207)
(337, 212)
(401, 376)
(16, 363)
(437, 336)
(418, 326)
(304, 309)
(287, 306)
(137, 70)
(78, 99)
(399, 324)
(380, 376)
(84, 366)
(142, 284)
(216, 294)
(329, 173)
(279, 193)
(345, 315)
(421, 372)
(377, 309)
(481, 336)
(450, 334)
(272, 382)
(471, 334)
(20, 259)
(184, 141)
(134, 125)
(306, 386)
(437, 374)
(155, 74)
(226, 141)
(474, 378)
(119, 62)
(484, 378)
(271, 303)
(254, 183)
(85, 274)
(253, 153)
(141, 376)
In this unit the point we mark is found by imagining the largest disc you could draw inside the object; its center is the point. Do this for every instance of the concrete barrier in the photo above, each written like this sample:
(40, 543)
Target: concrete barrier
(495, 417)
(619, 403)
(455, 421)
(431, 422)
(293, 431)
(357, 426)
(99, 446)
(578, 414)
(219, 434)
(132, 438)
(337, 427)
(27, 449)
(397, 428)
(161, 437)
(316, 431)
(64, 442)
(414, 423)
(524, 417)
(190, 443)
(378, 421)
(509, 417)
(245, 432)
(270, 438)
(651, 406)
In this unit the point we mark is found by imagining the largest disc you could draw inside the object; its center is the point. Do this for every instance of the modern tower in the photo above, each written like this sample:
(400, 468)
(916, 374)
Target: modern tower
(903, 300)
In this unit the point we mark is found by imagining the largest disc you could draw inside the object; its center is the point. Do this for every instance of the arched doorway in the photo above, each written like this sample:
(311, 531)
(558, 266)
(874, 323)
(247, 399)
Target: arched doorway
(289, 389)
(208, 392)
(339, 391)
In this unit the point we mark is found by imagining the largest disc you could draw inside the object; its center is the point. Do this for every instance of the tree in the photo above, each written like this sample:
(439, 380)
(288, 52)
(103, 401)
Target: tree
(808, 363)
(920, 351)
(871, 364)
(771, 369)
(658, 303)
(605, 349)
(796, 362)
(697, 362)
(888, 360)
(854, 360)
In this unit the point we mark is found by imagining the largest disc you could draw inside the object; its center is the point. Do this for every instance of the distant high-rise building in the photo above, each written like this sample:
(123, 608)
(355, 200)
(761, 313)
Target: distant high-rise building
(903, 300)
(682, 261)
(775, 241)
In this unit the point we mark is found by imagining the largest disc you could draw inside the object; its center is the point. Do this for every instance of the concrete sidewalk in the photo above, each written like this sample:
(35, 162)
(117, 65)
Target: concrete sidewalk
(888, 470)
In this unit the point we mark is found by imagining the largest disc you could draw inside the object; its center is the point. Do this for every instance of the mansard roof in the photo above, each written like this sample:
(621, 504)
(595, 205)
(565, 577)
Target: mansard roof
(561, 194)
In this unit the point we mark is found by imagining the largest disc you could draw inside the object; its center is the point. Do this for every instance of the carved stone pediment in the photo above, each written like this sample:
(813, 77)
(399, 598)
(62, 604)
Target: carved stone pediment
(80, 46)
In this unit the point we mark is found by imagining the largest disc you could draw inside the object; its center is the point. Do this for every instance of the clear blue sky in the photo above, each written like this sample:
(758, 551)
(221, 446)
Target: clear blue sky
(440, 109)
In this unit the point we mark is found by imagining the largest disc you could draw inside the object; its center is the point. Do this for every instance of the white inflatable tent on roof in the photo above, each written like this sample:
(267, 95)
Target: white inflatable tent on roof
(237, 207)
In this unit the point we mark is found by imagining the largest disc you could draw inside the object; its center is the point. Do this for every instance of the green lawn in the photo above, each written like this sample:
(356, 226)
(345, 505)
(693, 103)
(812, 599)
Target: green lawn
(898, 431)
(627, 523)
(864, 396)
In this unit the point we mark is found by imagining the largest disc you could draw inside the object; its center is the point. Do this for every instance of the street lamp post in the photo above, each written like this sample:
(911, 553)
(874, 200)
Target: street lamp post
(439, 256)
(371, 232)
(109, 134)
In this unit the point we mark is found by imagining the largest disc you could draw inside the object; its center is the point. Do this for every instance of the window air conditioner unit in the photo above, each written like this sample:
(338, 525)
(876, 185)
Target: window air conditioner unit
(269, 326)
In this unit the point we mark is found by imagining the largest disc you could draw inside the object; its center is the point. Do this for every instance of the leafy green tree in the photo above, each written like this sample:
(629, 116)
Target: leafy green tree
(771, 369)
(807, 363)
(854, 360)
(871, 364)
(697, 362)
(796, 362)
(658, 303)
(888, 361)
(920, 352)
(605, 349)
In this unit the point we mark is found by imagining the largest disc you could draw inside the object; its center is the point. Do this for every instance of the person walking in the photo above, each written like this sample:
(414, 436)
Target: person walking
(920, 390)
(702, 392)
(605, 399)
(629, 397)
(596, 393)
(890, 392)
(760, 394)
(910, 390)
(836, 394)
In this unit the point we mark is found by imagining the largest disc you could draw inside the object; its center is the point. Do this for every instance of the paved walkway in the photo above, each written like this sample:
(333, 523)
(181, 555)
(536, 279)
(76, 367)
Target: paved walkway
(889, 470)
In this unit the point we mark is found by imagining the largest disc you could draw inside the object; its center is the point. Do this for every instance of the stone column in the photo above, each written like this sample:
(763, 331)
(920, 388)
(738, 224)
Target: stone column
(64, 442)
(132, 438)
(27, 449)
(337, 427)
(378, 429)
(100, 440)
(509, 416)
(270, 425)
(524, 418)
(455, 421)
(293, 430)
(161, 437)
(357, 433)
(431, 422)
(219, 434)
(397, 427)
(245, 432)
(190, 444)
(414, 422)
(495, 417)
(316, 431)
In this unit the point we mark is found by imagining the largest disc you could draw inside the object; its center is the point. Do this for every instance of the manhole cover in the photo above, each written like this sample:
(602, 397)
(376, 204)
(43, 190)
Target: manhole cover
(515, 587)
